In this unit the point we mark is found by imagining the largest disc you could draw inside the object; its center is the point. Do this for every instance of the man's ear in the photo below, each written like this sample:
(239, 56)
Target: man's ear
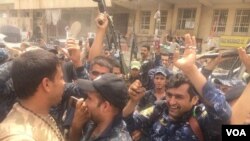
(106, 106)
(195, 100)
(45, 84)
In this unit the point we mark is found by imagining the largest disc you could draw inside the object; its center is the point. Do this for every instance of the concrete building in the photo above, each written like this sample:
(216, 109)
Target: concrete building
(224, 23)
(51, 16)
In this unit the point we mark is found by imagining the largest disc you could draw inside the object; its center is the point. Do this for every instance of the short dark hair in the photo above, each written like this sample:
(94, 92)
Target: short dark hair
(164, 54)
(30, 68)
(179, 79)
(115, 63)
(102, 61)
(146, 46)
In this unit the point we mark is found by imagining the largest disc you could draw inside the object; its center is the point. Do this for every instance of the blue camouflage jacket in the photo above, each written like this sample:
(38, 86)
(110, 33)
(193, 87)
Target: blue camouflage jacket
(210, 114)
(116, 131)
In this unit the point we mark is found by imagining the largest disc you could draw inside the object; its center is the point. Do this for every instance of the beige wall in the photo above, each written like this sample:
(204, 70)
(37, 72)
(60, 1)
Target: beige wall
(207, 14)
(231, 18)
(170, 20)
(203, 20)
(153, 10)
(6, 1)
(42, 4)
(204, 29)
(205, 25)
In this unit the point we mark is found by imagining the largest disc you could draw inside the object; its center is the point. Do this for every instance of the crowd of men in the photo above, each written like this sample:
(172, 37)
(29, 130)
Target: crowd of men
(167, 97)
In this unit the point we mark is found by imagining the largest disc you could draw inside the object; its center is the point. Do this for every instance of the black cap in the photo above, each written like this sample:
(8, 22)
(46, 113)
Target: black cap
(161, 70)
(110, 87)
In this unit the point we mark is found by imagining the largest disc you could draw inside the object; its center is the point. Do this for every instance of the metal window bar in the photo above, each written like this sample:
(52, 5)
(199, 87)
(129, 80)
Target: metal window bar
(186, 18)
(164, 15)
(145, 19)
(219, 20)
(13, 13)
(242, 20)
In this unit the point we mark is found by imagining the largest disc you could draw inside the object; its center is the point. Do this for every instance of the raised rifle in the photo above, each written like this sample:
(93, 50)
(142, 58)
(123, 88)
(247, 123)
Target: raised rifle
(226, 54)
(133, 45)
(115, 39)
(157, 18)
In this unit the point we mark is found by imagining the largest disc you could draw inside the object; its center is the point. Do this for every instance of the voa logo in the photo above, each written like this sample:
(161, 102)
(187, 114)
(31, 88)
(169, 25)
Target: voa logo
(236, 132)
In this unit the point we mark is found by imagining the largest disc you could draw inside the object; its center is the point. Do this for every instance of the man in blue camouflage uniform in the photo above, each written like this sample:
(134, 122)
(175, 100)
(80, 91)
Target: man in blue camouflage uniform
(116, 132)
(173, 119)
(7, 94)
(106, 97)
(160, 76)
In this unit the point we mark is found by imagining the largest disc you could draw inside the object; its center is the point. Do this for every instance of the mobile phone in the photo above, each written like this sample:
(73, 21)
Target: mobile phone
(72, 101)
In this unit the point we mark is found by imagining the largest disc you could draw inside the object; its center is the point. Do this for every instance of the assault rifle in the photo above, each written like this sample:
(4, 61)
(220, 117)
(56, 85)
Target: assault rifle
(102, 8)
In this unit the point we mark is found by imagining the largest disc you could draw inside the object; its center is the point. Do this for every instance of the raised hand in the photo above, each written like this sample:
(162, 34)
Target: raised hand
(187, 61)
(97, 46)
(102, 21)
(187, 64)
(82, 114)
(136, 91)
(245, 59)
(81, 117)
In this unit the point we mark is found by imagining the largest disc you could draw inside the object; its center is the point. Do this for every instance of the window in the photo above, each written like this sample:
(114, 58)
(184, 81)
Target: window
(219, 21)
(186, 18)
(13, 13)
(164, 16)
(38, 14)
(242, 20)
(24, 14)
(145, 19)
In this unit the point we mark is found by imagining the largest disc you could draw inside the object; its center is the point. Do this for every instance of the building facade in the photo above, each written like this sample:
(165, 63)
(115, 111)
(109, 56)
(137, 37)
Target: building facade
(222, 23)
(50, 16)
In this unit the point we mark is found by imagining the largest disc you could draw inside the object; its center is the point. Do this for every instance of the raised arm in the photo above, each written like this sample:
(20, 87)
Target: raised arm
(187, 64)
(136, 92)
(81, 117)
(97, 46)
(245, 59)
